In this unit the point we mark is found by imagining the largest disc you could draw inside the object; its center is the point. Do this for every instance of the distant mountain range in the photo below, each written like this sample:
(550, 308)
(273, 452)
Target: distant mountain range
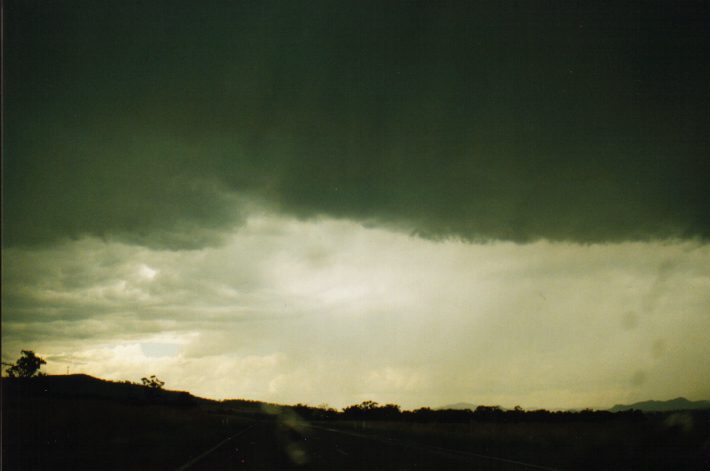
(679, 403)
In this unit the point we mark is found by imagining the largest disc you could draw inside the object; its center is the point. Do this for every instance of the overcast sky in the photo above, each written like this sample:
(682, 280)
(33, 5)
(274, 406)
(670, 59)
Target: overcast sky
(329, 202)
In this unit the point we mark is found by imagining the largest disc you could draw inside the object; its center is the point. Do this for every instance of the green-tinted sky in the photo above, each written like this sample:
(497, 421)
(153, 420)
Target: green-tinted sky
(143, 137)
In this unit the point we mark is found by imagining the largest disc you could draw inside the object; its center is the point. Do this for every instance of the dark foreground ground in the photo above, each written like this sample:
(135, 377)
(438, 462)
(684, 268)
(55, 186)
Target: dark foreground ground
(48, 430)
(70, 434)
(317, 447)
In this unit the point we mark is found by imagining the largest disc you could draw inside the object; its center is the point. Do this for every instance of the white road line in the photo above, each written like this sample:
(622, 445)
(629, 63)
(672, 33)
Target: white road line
(337, 448)
(199, 457)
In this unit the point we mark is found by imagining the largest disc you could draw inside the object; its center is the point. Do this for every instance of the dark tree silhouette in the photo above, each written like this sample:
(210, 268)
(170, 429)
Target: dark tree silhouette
(26, 366)
(153, 383)
(153, 387)
(372, 410)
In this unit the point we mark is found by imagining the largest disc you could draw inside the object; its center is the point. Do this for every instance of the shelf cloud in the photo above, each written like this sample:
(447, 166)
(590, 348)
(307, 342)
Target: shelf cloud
(412, 202)
(162, 125)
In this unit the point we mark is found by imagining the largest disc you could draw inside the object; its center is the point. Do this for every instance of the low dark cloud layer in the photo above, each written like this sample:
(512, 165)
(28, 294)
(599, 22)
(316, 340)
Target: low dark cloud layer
(160, 124)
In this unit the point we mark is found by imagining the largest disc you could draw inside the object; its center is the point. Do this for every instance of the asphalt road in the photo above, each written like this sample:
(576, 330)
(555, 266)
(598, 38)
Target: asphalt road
(275, 445)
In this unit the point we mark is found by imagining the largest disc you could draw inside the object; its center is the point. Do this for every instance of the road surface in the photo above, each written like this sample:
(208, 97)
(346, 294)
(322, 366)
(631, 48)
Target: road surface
(274, 445)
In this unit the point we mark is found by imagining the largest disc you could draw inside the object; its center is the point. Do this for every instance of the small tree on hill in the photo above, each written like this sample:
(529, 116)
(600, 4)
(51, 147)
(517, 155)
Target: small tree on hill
(153, 387)
(153, 383)
(26, 366)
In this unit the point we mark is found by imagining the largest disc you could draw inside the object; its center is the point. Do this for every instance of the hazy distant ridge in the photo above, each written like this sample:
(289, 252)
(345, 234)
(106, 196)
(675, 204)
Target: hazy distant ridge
(679, 403)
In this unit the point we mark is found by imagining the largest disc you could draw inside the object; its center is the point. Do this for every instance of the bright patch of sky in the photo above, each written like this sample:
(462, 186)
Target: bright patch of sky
(330, 311)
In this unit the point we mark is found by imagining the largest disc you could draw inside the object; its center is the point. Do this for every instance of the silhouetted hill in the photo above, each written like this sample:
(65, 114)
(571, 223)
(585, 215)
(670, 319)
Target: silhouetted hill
(679, 403)
(85, 386)
(244, 405)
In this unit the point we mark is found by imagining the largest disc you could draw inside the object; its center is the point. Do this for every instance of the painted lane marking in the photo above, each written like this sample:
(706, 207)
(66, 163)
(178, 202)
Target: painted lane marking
(199, 457)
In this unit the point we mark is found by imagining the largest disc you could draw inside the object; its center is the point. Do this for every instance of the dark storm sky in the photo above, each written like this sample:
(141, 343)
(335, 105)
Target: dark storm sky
(157, 122)
(337, 163)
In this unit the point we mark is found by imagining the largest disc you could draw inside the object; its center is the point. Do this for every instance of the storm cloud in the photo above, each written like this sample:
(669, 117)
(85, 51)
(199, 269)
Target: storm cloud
(165, 124)
(409, 202)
